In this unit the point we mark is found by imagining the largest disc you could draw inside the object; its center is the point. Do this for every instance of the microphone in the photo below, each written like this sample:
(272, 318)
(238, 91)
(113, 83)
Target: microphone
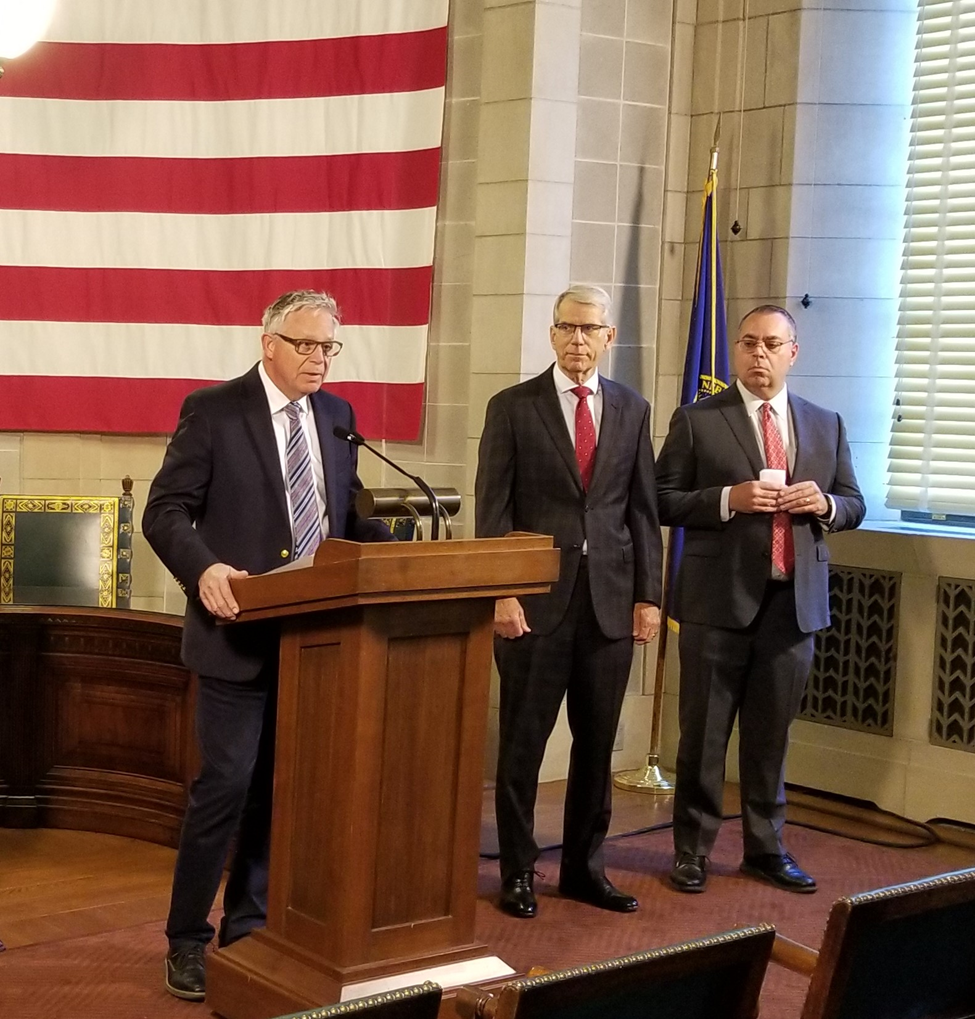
(348, 435)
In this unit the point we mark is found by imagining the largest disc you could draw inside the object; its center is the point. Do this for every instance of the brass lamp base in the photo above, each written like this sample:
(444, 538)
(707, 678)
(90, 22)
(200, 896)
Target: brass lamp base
(649, 779)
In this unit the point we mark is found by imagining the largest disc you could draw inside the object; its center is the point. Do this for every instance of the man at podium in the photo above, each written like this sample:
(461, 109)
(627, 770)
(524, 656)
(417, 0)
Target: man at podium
(568, 453)
(254, 478)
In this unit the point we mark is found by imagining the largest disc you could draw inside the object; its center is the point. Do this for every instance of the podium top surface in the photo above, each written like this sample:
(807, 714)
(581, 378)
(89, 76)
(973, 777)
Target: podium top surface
(345, 573)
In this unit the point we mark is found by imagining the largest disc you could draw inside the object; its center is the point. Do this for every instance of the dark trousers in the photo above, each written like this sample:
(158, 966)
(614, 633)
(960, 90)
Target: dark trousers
(231, 796)
(758, 673)
(576, 662)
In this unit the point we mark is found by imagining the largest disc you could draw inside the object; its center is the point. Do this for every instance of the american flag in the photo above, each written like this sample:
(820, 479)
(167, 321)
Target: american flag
(169, 168)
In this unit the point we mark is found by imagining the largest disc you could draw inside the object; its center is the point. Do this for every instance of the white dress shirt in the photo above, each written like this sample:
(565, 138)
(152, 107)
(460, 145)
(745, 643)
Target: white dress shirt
(277, 402)
(568, 401)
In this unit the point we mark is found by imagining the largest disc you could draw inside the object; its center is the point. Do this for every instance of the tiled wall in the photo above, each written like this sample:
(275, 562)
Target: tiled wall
(852, 125)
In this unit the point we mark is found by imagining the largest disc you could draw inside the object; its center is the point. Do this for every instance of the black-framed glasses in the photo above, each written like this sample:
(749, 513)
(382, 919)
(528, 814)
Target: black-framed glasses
(751, 345)
(306, 347)
(589, 329)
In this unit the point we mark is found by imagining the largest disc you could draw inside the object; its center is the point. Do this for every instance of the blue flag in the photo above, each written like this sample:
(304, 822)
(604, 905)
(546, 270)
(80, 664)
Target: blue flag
(706, 363)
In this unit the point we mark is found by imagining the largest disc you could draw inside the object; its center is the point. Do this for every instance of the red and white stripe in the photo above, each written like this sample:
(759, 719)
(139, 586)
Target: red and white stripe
(166, 170)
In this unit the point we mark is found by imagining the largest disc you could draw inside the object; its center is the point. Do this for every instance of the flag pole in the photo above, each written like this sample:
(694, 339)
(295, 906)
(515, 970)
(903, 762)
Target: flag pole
(651, 778)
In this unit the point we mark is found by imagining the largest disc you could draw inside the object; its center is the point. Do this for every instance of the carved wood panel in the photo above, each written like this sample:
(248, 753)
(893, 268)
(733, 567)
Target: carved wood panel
(98, 720)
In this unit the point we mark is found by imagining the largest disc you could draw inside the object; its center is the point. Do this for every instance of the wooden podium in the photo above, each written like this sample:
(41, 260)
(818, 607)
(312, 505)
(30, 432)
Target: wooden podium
(382, 709)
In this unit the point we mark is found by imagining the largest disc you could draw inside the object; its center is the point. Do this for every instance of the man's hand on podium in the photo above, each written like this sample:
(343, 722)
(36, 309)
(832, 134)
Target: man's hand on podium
(215, 592)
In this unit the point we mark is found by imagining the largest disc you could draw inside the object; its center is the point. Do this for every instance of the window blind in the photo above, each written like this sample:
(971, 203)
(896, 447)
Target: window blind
(932, 449)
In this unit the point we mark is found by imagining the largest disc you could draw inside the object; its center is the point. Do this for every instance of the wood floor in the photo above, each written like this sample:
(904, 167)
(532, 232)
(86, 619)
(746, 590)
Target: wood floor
(61, 884)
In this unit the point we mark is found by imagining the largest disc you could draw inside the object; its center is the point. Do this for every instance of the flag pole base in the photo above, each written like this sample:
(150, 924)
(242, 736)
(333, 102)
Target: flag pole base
(649, 779)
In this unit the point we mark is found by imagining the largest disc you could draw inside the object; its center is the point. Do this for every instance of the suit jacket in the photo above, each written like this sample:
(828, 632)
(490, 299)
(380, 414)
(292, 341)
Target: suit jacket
(219, 497)
(528, 480)
(725, 566)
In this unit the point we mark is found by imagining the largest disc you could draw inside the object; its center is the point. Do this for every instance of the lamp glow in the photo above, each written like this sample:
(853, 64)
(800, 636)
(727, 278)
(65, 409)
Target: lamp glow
(22, 24)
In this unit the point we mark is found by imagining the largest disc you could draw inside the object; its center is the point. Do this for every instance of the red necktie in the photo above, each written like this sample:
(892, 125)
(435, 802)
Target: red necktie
(783, 550)
(585, 435)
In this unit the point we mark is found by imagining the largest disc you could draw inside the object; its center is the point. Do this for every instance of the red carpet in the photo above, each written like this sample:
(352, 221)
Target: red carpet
(119, 975)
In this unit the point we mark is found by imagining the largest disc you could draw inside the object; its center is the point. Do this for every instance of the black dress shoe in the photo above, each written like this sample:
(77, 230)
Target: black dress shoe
(186, 975)
(517, 897)
(690, 873)
(781, 871)
(599, 892)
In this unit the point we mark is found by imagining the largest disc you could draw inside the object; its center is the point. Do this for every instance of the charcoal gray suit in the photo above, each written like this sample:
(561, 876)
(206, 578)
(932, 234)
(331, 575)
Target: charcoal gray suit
(746, 641)
(581, 632)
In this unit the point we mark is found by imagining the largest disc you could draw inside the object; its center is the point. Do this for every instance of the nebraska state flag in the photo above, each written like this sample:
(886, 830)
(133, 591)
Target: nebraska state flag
(169, 168)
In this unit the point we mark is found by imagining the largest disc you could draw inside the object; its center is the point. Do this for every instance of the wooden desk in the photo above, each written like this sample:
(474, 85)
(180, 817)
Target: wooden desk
(96, 721)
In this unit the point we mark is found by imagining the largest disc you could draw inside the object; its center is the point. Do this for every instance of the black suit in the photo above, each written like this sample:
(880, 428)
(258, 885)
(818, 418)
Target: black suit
(219, 497)
(581, 632)
(746, 641)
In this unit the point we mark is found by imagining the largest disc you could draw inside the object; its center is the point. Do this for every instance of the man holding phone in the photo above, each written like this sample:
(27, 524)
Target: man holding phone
(756, 476)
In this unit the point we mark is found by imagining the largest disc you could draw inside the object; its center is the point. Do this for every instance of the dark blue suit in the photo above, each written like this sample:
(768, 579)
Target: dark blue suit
(219, 497)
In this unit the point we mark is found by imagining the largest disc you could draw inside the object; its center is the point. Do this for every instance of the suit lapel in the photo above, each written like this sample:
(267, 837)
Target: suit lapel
(324, 423)
(801, 433)
(609, 428)
(733, 411)
(548, 409)
(257, 417)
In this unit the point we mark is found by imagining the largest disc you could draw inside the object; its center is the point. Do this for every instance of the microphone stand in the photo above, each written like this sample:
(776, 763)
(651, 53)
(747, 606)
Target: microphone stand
(357, 440)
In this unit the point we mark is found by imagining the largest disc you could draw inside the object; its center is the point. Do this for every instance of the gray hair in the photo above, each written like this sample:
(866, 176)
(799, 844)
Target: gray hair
(581, 293)
(772, 309)
(294, 300)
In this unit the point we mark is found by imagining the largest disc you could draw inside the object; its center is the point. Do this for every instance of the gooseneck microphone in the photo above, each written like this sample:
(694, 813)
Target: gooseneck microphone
(347, 435)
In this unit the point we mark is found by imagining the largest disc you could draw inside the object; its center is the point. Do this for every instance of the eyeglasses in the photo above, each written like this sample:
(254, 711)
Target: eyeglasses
(751, 345)
(589, 329)
(306, 347)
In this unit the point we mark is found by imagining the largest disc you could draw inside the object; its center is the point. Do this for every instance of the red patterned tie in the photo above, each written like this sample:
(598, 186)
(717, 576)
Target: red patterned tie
(585, 435)
(783, 550)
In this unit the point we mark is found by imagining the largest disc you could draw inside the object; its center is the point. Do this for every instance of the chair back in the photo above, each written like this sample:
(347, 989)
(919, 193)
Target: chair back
(67, 550)
(419, 1001)
(713, 976)
(904, 952)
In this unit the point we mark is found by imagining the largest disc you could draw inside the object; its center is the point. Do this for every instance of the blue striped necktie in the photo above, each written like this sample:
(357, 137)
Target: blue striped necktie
(301, 485)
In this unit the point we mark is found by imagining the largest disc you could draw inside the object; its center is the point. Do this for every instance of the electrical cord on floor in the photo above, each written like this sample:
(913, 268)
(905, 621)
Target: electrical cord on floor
(648, 830)
(929, 837)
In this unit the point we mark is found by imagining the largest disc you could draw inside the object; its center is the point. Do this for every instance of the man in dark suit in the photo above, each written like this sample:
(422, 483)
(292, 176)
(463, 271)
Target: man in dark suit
(568, 453)
(252, 479)
(756, 476)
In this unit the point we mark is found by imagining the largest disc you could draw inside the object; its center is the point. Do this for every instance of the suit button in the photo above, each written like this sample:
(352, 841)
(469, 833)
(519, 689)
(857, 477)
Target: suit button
(285, 553)
(587, 509)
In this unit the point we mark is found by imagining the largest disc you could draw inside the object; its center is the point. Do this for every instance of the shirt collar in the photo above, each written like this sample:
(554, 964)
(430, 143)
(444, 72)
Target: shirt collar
(276, 400)
(563, 384)
(753, 403)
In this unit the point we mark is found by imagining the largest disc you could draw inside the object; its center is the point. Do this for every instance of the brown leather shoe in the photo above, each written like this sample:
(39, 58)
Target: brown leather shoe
(186, 975)
(781, 871)
(518, 896)
(690, 873)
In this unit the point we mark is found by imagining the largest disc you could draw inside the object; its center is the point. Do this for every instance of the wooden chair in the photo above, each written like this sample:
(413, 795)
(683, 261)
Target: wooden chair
(67, 550)
(421, 1001)
(904, 952)
(701, 979)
